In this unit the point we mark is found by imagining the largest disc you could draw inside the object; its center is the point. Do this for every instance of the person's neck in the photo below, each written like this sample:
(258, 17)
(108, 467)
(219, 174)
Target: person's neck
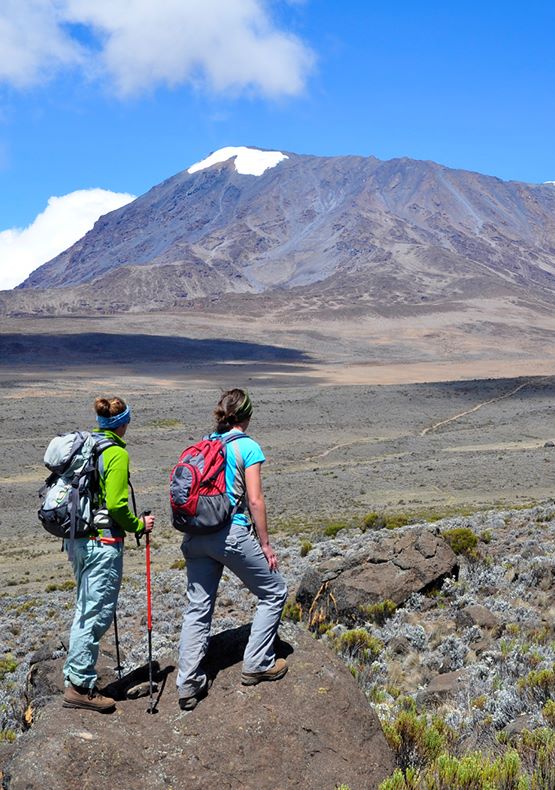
(241, 426)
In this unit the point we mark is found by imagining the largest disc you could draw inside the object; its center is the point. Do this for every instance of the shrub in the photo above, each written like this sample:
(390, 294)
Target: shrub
(165, 423)
(472, 772)
(178, 565)
(379, 612)
(69, 584)
(306, 546)
(359, 643)
(398, 520)
(376, 520)
(537, 750)
(292, 611)
(7, 664)
(539, 682)
(332, 529)
(479, 702)
(373, 520)
(548, 712)
(415, 741)
(462, 540)
(7, 736)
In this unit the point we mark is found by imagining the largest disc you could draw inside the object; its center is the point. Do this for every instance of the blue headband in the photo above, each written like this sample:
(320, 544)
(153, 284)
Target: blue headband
(114, 422)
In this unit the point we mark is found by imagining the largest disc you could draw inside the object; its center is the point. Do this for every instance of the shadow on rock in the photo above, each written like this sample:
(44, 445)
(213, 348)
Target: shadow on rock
(227, 648)
(136, 683)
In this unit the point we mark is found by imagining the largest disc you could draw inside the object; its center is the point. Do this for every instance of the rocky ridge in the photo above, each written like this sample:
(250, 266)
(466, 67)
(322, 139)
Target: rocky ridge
(470, 646)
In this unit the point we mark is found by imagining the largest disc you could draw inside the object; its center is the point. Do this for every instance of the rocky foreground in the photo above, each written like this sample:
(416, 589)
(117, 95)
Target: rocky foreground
(444, 631)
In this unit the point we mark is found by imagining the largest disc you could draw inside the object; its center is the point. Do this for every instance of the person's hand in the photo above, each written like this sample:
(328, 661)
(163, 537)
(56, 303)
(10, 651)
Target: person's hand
(270, 556)
(148, 521)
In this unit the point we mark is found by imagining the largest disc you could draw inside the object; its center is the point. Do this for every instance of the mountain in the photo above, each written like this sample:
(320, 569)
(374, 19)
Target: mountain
(252, 221)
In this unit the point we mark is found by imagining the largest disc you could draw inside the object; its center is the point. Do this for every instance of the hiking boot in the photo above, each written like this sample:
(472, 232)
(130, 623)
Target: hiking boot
(89, 698)
(189, 703)
(274, 673)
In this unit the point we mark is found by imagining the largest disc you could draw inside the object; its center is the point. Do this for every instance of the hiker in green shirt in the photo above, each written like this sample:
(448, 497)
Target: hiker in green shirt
(98, 560)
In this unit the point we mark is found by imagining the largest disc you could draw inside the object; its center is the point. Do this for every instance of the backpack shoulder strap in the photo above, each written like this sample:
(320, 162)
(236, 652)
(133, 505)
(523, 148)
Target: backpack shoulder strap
(233, 436)
(102, 442)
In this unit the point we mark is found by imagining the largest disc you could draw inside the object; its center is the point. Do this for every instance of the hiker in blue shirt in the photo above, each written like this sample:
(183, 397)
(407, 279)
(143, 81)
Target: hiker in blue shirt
(236, 547)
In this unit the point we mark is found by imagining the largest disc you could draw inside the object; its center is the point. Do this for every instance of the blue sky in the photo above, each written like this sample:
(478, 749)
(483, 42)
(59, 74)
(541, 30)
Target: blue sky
(117, 95)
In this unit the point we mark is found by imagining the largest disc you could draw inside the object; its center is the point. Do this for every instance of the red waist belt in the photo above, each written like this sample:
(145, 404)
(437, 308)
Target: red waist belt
(106, 540)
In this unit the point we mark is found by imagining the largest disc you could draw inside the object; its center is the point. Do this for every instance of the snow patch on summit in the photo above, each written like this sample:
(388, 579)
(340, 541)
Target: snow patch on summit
(549, 183)
(248, 161)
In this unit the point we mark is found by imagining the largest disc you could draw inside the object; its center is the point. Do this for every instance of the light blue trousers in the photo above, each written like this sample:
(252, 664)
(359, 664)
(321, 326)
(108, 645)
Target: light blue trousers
(206, 555)
(98, 569)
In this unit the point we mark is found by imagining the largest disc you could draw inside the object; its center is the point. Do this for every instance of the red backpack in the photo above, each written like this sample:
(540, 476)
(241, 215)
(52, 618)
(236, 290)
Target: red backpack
(199, 501)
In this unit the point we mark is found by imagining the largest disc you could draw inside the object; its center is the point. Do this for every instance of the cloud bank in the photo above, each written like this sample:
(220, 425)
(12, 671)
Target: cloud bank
(63, 222)
(221, 45)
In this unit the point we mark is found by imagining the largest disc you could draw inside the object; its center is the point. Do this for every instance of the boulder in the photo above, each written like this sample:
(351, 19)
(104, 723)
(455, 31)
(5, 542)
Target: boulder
(476, 614)
(314, 729)
(442, 687)
(392, 565)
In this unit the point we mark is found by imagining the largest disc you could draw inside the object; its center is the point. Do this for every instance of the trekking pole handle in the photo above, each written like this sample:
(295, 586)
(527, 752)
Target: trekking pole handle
(137, 534)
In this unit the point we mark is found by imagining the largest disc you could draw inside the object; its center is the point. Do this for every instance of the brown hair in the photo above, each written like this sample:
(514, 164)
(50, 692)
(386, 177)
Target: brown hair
(109, 407)
(225, 412)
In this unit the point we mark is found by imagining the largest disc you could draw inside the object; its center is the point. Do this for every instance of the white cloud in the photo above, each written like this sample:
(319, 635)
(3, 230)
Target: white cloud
(32, 42)
(63, 222)
(222, 45)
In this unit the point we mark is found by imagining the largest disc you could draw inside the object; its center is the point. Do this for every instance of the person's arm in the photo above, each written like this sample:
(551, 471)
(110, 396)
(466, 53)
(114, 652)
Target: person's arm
(257, 507)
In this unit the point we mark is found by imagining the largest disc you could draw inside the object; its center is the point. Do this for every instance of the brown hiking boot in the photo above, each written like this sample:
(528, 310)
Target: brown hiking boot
(83, 697)
(274, 673)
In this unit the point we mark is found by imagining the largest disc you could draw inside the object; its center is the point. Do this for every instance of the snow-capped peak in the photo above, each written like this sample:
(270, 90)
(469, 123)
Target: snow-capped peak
(549, 183)
(248, 161)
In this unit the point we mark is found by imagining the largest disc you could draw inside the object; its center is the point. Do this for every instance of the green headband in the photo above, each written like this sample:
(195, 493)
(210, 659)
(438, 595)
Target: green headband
(245, 409)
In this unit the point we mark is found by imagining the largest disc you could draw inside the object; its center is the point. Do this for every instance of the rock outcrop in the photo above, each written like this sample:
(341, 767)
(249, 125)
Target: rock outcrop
(314, 729)
(390, 566)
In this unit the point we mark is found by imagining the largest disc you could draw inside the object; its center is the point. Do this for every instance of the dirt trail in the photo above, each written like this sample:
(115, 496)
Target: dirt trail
(455, 417)
(429, 429)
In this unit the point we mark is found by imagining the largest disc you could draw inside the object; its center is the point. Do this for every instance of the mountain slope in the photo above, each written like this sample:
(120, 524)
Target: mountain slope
(400, 230)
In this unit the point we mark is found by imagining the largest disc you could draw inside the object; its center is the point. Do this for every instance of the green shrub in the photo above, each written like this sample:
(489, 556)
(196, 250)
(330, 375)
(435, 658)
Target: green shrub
(539, 682)
(7, 664)
(292, 611)
(472, 772)
(397, 520)
(415, 741)
(548, 712)
(378, 612)
(178, 565)
(373, 520)
(537, 750)
(359, 643)
(306, 546)
(333, 528)
(26, 606)
(462, 540)
(7, 736)
(164, 423)
(69, 584)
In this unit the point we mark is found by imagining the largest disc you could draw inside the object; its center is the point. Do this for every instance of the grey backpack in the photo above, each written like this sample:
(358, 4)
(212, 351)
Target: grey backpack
(70, 494)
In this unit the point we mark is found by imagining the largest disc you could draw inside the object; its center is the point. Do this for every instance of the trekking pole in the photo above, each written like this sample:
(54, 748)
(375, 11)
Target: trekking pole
(149, 616)
(116, 637)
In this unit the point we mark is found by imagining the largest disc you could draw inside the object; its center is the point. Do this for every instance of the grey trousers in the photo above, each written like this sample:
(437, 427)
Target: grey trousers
(206, 555)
